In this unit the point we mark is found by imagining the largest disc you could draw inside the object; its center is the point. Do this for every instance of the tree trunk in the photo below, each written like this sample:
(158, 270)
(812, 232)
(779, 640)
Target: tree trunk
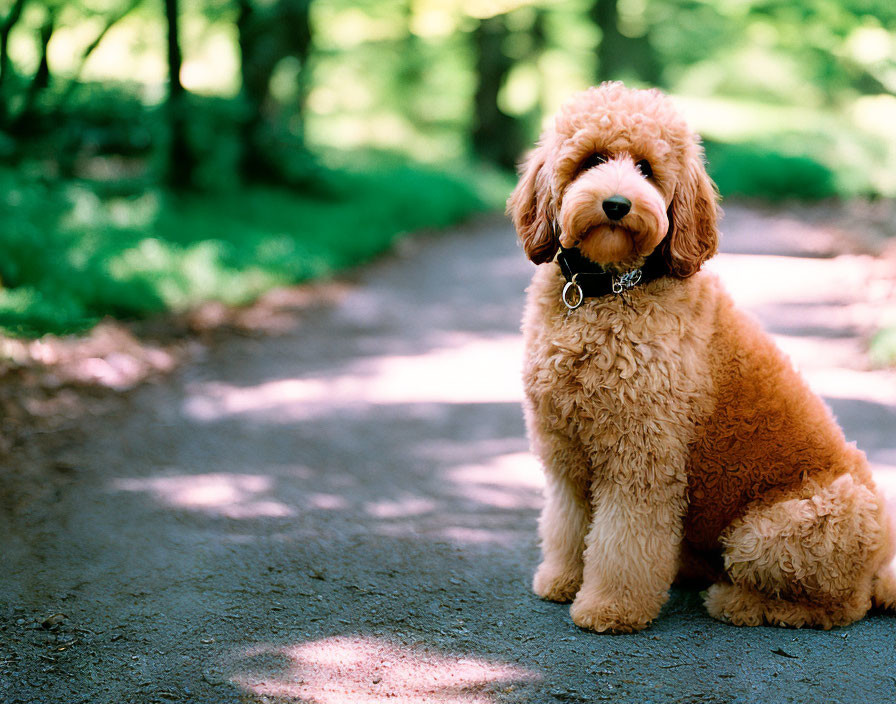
(265, 37)
(297, 16)
(496, 135)
(9, 22)
(611, 50)
(620, 57)
(411, 69)
(29, 117)
(255, 76)
(181, 160)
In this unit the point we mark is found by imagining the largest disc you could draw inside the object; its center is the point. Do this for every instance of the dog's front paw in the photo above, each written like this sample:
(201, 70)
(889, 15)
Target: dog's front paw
(555, 584)
(594, 614)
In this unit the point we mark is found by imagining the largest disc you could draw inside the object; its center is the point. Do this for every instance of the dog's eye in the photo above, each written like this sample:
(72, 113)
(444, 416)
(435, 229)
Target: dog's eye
(644, 168)
(591, 161)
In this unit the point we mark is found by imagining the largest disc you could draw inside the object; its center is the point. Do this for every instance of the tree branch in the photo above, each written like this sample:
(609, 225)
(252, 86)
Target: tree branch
(41, 77)
(111, 22)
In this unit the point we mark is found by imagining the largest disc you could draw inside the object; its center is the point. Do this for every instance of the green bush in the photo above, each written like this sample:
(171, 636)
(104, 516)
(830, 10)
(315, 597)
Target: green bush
(761, 171)
(71, 257)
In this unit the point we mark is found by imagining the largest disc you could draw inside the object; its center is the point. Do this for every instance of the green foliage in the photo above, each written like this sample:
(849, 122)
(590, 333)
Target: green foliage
(761, 171)
(883, 347)
(403, 76)
(71, 257)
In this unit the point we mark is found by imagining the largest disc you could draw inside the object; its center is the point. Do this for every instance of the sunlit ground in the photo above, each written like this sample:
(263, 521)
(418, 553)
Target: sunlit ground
(508, 482)
(229, 495)
(473, 371)
(364, 670)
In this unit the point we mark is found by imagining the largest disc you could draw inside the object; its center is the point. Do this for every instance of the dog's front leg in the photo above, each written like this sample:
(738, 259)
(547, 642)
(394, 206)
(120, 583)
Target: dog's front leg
(562, 528)
(631, 554)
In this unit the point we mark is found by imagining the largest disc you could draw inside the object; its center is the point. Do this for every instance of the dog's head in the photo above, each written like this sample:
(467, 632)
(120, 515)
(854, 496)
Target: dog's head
(618, 175)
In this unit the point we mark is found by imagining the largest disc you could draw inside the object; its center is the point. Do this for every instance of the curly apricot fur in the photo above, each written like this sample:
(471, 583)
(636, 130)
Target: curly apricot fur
(676, 439)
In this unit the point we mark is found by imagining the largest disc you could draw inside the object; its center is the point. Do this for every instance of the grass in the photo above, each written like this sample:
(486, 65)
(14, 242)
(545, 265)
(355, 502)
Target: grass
(71, 257)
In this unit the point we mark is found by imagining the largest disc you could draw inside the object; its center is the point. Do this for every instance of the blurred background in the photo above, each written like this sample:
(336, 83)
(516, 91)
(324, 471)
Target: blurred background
(156, 154)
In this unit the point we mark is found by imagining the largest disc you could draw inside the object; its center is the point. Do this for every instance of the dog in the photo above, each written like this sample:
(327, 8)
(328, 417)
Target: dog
(678, 443)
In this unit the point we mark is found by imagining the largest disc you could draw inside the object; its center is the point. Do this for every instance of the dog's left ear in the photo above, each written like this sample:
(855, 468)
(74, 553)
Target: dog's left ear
(693, 223)
(529, 206)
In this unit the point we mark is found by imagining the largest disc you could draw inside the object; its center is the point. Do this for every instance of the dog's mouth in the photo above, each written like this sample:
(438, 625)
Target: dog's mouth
(607, 244)
(622, 241)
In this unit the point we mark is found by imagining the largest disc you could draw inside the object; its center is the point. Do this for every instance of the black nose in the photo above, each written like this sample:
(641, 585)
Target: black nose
(616, 207)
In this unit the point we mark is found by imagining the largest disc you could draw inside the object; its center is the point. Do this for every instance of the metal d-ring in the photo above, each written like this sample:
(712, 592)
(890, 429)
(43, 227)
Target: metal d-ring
(577, 291)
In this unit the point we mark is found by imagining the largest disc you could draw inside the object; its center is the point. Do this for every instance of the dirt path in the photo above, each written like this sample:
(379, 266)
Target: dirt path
(346, 512)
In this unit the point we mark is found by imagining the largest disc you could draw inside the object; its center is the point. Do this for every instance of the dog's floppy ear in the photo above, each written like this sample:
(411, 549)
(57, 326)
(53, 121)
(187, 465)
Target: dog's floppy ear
(530, 208)
(693, 223)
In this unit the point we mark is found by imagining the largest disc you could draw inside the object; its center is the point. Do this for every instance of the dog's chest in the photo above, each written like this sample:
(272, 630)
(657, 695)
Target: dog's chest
(595, 364)
(615, 364)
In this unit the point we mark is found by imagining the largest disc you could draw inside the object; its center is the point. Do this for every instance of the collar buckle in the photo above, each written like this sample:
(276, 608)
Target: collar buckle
(626, 281)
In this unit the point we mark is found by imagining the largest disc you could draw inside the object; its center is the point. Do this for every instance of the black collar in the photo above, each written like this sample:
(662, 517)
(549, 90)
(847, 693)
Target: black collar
(585, 279)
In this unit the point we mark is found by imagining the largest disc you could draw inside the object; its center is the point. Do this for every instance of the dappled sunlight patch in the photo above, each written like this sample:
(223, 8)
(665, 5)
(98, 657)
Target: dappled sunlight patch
(871, 386)
(401, 508)
(328, 502)
(463, 535)
(510, 481)
(477, 371)
(754, 279)
(820, 355)
(215, 400)
(516, 469)
(500, 498)
(365, 670)
(230, 495)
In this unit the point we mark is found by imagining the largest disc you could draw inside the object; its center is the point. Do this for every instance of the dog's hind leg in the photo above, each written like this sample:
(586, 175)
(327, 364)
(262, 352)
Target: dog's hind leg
(808, 560)
(562, 528)
(742, 605)
(883, 587)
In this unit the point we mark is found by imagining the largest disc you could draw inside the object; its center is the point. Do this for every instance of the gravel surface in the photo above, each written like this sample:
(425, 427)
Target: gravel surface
(344, 511)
